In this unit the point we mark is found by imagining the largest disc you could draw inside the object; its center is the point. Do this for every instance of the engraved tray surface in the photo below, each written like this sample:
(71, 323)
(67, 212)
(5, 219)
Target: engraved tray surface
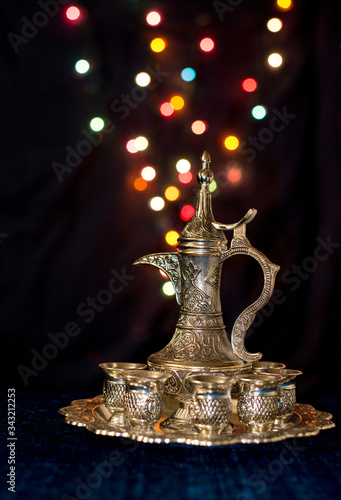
(92, 414)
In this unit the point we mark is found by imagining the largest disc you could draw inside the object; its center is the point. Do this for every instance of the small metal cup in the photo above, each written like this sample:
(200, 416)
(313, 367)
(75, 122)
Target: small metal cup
(143, 400)
(286, 393)
(211, 408)
(114, 385)
(258, 366)
(258, 401)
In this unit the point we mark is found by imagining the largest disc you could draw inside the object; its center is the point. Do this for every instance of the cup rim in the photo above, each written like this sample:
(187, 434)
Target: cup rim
(210, 381)
(287, 373)
(117, 368)
(140, 375)
(261, 379)
(263, 365)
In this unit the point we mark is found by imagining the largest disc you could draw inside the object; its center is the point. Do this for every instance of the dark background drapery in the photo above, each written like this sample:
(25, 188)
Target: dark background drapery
(60, 241)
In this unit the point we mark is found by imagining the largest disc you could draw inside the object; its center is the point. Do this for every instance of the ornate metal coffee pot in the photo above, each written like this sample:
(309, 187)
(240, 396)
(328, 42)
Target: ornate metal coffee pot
(200, 342)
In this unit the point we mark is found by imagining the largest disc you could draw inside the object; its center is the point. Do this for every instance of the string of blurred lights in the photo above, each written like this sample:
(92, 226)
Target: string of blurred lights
(234, 172)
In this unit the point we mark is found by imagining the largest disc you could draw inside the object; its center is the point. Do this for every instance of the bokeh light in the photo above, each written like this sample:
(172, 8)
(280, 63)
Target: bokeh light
(97, 124)
(141, 143)
(166, 109)
(187, 212)
(172, 238)
(198, 127)
(274, 25)
(153, 18)
(131, 147)
(275, 60)
(183, 166)
(213, 186)
(185, 178)
(172, 193)
(140, 184)
(148, 173)
(284, 4)
(73, 13)
(188, 74)
(168, 288)
(258, 112)
(231, 142)
(177, 102)
(234, 175)
(158, 44)
(206, 44)
(142, 79)
(157, 203)
(82, 66)
(249, 85)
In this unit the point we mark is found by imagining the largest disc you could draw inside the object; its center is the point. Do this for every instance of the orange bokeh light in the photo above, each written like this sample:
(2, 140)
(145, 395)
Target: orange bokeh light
(198, 127)
(140, 184)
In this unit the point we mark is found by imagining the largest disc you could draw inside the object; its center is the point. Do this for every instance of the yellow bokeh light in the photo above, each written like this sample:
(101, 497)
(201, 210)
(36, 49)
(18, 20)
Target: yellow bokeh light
(177, 102)
(275, 60)
(158, 44)
(140, 184)
(172, 193)
(284, 4)
(274, 25)
(172, 238)
(231, 142)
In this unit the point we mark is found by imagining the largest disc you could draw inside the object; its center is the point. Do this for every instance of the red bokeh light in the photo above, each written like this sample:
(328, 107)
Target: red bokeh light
(234, 175)
(73, 13)
(249, 85)
(185, 178)
(206, 44)
(166, 109)
(187, 212)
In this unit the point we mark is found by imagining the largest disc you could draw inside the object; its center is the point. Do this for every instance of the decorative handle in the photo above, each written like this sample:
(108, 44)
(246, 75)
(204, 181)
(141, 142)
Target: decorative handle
(241, 245)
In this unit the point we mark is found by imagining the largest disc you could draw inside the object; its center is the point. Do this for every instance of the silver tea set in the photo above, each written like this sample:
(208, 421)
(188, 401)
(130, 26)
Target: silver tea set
(201, 388)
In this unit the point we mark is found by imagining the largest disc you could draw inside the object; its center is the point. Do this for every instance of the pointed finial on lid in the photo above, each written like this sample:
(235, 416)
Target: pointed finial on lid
(205, 175)
(206, 157)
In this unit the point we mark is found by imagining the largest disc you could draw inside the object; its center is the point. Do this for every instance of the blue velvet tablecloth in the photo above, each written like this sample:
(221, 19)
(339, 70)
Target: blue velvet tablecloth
(55, 460)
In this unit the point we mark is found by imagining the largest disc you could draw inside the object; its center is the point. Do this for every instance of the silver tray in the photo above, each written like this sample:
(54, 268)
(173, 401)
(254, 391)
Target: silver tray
(92, 414)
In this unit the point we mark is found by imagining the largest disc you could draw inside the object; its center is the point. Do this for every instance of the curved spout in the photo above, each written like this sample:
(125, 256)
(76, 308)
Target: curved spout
(169, 263)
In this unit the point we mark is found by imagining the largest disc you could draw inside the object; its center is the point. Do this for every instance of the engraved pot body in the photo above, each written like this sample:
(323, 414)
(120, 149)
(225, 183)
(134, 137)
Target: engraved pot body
(200, 333)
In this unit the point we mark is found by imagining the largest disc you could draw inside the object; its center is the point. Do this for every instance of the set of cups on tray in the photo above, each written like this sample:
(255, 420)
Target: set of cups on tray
(134, 395)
